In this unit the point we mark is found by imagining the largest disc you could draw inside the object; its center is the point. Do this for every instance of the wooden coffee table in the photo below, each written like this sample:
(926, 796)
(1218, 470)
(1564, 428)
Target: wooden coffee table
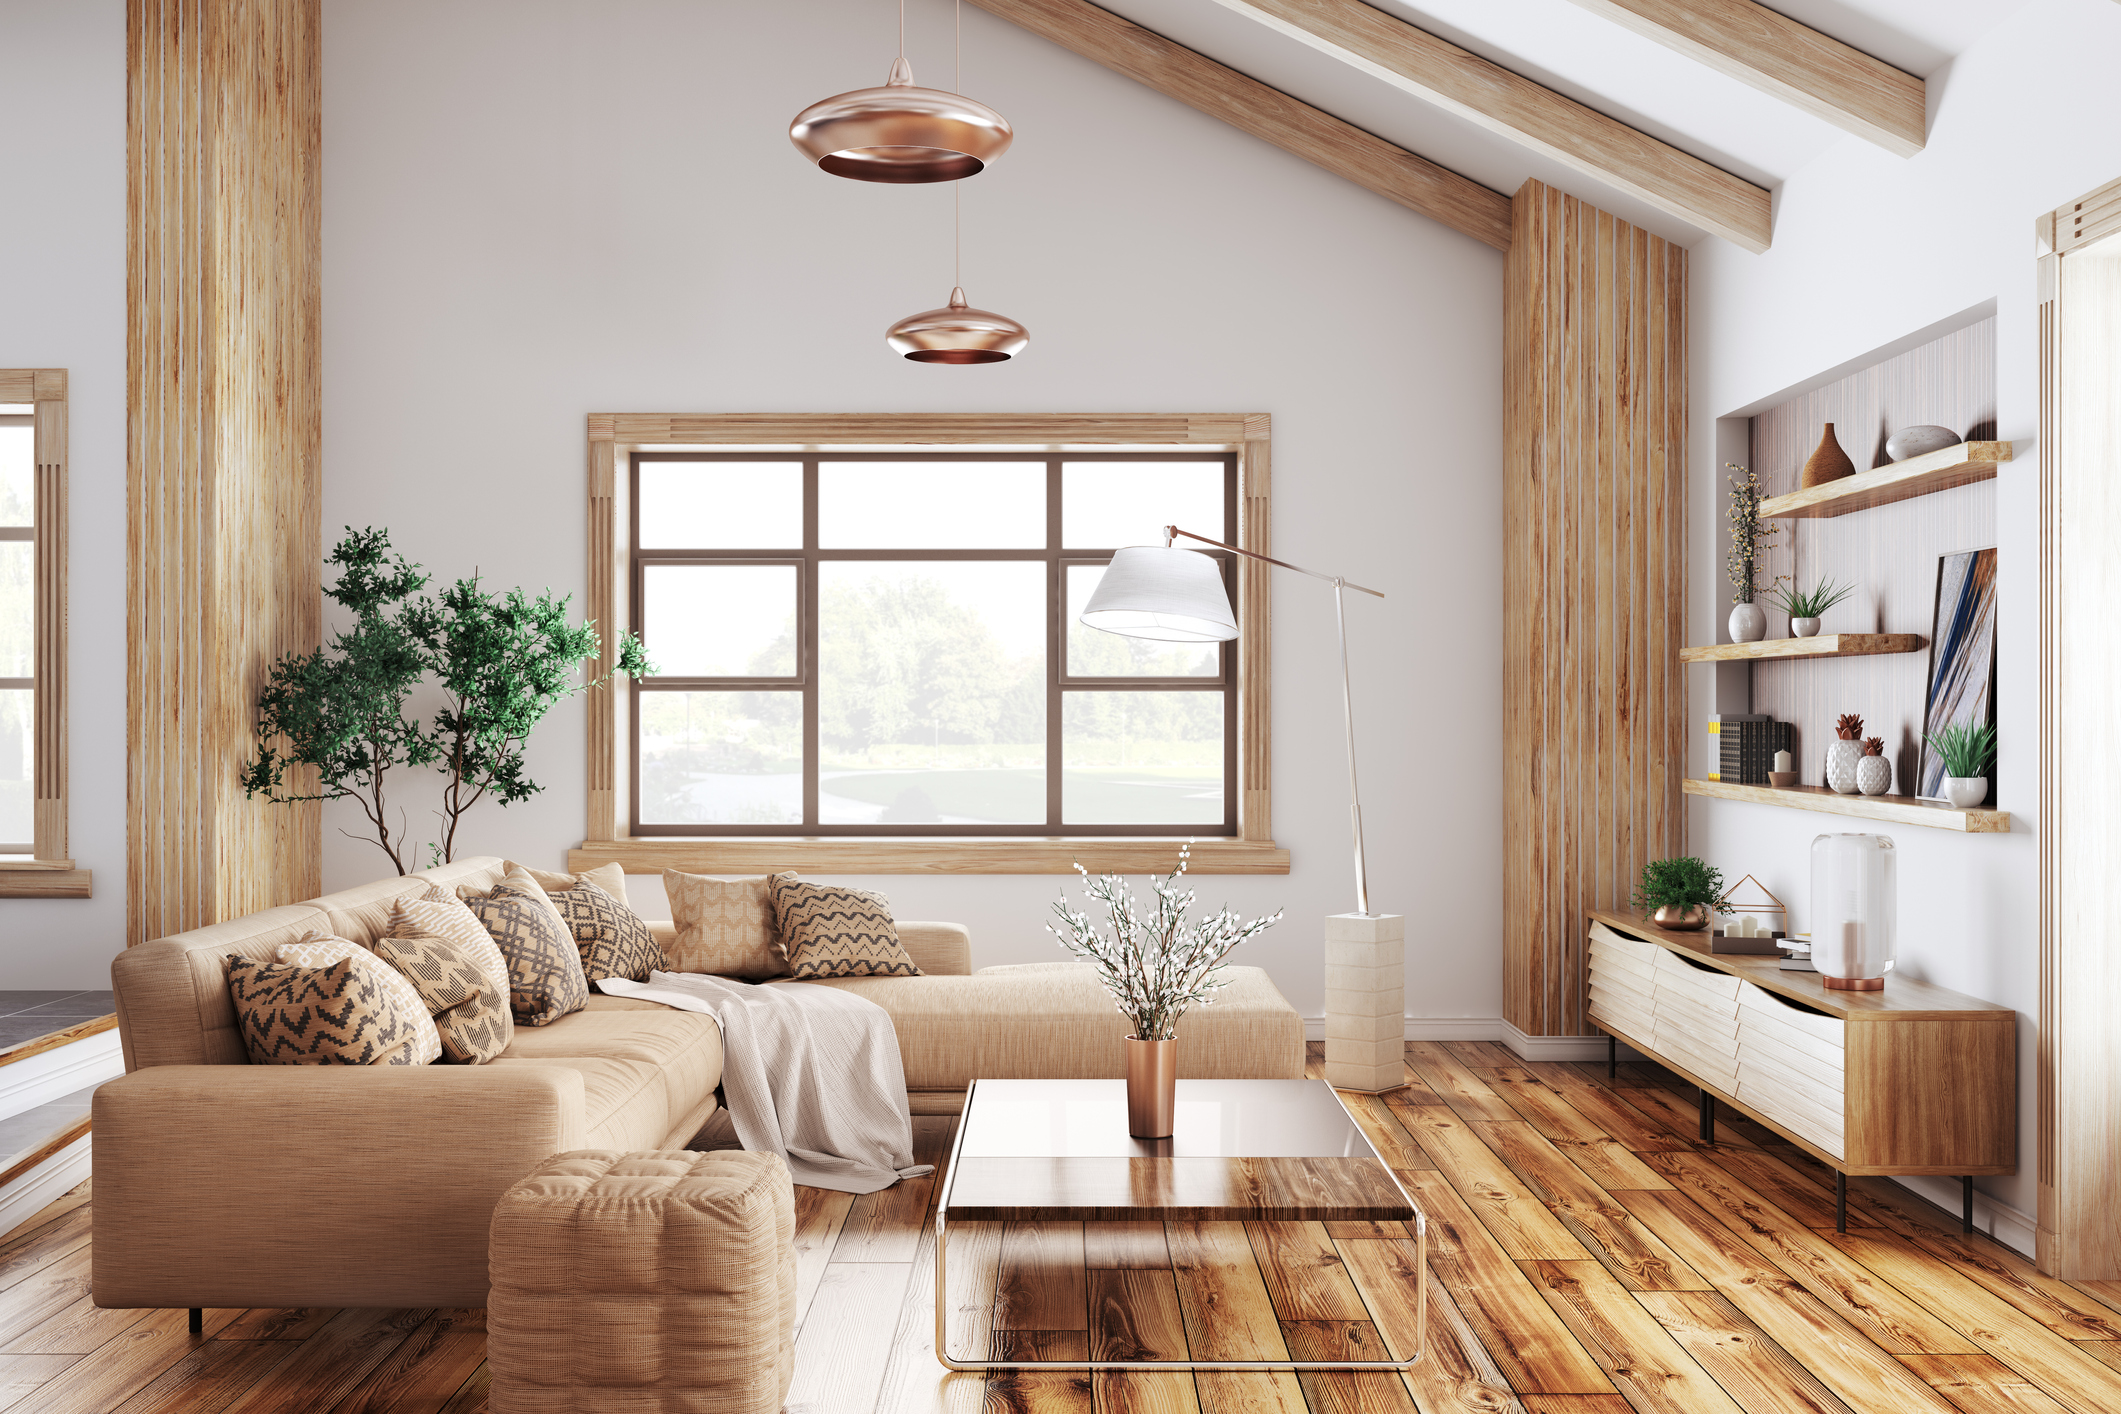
(1256, 1152)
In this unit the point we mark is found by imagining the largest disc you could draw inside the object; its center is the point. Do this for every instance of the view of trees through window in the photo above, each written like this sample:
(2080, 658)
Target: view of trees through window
(908, 636)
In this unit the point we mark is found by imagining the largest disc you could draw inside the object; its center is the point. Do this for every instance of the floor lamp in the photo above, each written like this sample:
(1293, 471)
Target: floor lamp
(1174, 595)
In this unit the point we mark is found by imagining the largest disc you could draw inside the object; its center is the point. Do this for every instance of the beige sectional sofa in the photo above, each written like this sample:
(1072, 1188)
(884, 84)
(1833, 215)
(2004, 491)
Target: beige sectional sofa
(221, 1183)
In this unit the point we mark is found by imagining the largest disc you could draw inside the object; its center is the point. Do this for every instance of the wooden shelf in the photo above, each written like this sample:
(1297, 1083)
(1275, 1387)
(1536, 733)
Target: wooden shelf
(1820, 645)
(1897, 809)
(1917, 476)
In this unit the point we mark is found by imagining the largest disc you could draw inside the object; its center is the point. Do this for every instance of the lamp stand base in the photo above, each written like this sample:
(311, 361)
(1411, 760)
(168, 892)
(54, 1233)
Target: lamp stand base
(1366, 1002)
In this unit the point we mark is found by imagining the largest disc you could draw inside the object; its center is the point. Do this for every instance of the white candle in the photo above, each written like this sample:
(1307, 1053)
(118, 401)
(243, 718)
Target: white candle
(1782, 761)
(1748, 926)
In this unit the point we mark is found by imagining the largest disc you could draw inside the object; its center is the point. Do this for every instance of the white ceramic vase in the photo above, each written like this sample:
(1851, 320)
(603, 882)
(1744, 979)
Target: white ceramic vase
(1803, 628)
(1841, 764)
(1965, 792)
(1748, 623)
(1874, 775)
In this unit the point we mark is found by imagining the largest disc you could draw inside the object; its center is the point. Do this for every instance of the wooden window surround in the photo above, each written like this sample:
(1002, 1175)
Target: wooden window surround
(614, 438)
(47, 872)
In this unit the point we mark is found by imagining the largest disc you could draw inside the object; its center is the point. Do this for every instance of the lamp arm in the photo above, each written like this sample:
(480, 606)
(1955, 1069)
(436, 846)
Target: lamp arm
(1172, 530)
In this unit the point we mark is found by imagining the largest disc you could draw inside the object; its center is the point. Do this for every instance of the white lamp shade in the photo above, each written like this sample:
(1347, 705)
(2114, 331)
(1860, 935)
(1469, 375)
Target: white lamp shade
(1164, 593)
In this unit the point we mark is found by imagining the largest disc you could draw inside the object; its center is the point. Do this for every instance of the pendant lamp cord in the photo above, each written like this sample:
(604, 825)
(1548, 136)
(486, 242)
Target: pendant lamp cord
(957, 86)
(902, 29)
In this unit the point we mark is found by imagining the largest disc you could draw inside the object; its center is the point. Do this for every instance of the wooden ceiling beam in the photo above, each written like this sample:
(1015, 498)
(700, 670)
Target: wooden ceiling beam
(1250, 106)
(1786, 60)
(1529, 114)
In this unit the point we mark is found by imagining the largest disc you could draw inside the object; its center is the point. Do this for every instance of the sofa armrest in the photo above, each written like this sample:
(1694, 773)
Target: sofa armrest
(277, 1185)
(938, 949)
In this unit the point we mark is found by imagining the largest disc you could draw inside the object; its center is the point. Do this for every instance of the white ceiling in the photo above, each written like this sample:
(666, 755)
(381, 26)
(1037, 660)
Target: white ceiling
(1592, 60)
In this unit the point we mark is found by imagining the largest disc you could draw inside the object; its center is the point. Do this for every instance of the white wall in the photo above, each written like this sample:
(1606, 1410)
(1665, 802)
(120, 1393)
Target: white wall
(1869, 248)
(62, 305)
(536, 211)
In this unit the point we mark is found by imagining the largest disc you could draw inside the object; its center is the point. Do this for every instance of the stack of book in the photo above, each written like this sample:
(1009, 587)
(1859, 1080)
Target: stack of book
(1746, 743)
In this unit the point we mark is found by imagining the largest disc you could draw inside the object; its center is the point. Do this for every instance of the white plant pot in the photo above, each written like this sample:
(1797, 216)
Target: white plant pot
(1965, 792)
(1874, 775)
(1803, 628)
(1841, 759)
(1748, 623)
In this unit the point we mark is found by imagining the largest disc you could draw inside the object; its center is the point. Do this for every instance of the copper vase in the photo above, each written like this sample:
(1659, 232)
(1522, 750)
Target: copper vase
(1828, 462)
(1152, 1084)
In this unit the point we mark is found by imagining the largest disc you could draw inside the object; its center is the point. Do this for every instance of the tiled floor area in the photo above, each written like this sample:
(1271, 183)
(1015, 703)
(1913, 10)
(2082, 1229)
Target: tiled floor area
(24, 1016)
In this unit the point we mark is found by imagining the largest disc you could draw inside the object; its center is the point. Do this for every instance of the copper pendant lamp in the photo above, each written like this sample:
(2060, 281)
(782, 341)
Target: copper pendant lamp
(957, 333)
(901, 132)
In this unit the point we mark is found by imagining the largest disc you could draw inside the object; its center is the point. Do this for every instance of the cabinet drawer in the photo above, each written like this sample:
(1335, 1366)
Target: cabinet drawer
(1811, 1083)
(1716, 1067)
(1768, 1009)
(1620, 966)
(1713, 982)
(1645, 953)
(1805, 1120)
(1822, 1072)
(1627, 1014)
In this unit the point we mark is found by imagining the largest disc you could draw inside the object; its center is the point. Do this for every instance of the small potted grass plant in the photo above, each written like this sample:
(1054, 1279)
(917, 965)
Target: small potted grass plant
(1966, 751)
(1807, 606)
(1681, 894)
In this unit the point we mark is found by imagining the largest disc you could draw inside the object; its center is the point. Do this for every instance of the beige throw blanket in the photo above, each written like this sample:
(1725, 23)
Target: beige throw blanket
(809, 1073)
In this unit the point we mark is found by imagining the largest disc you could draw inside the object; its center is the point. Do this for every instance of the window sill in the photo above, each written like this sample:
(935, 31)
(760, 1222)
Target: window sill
(44, 878)
(927, 856)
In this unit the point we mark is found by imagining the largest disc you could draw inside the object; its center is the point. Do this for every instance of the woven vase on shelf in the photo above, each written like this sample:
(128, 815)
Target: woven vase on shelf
(1828, 462)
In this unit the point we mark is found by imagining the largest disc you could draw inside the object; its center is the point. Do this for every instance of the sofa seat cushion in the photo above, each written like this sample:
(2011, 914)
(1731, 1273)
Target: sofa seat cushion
(683, 1048)
(625, 1102)
(1053, 1021)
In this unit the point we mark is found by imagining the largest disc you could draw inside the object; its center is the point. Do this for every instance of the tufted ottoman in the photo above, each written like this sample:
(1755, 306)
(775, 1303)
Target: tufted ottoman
(647, 1283)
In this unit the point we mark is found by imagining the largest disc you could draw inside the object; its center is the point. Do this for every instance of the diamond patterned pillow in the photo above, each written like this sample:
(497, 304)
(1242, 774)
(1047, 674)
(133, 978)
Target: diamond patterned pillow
(724, 926)
(436, 914)
(613, 940)
(545, 980)
(336, 1015)
(611, 878)
(470, 1012)
(838, 932)
(322, 950)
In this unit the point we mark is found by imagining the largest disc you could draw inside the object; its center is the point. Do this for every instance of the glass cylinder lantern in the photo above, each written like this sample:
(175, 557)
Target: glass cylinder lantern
(1854, 903)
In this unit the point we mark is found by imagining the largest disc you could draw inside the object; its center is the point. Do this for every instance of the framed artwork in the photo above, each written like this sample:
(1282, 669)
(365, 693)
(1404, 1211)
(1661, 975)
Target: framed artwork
(1962, 685)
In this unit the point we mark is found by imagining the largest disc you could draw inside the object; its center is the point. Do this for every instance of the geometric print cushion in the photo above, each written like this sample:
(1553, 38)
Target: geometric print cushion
(439, 914)
(611, 878)
(545, 979)
(838, 932)
(334, 1015)
(322, 950)
(470, 1013)
(613, 940)
(724, 927)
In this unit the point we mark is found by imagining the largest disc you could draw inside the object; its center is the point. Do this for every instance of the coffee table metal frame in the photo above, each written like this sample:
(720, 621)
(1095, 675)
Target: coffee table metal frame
(942, 1290)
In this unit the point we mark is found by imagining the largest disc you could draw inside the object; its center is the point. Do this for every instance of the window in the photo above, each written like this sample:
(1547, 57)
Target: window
(33, 858)
(868, 643)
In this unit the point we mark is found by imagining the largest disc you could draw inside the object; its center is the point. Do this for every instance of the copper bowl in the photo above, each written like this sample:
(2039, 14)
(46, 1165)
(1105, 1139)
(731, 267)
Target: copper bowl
(1782, 780)
(1691, 919)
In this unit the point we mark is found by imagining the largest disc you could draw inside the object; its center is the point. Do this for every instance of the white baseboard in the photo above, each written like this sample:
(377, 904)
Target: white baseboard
(1999, 1220)
(26, 1196)
(1492, 1028)
(42, 1078)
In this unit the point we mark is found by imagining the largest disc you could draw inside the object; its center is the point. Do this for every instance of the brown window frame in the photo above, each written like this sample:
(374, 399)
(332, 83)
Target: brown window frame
(806, 682)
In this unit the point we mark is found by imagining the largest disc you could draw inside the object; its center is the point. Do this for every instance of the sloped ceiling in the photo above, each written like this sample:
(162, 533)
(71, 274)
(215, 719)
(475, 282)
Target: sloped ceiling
(1594, 61)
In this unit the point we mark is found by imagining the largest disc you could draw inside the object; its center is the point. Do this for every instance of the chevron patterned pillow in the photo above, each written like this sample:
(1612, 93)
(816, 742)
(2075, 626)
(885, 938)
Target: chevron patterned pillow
(838, 932)
(613, 940)
(545, 980)
(470, 1012)
(314, 949)
(336, 1015)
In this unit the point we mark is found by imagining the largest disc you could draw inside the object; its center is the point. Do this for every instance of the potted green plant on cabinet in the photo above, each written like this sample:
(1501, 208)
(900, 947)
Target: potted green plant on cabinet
(1681, 894)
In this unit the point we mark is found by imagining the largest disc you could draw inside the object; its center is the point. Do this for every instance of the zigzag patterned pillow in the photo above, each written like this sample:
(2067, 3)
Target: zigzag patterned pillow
(838, 932)
(314, 949)
(545, 980)
(613, 940)
(336, 1015)
(470, 1012)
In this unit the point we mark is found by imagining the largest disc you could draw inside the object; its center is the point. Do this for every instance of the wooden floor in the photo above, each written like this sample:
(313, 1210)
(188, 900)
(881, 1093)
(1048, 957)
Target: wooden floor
(1587, 1256)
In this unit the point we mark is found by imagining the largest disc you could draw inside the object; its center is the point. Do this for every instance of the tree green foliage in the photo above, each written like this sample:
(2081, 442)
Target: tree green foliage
(340, 711)
(1680, 883)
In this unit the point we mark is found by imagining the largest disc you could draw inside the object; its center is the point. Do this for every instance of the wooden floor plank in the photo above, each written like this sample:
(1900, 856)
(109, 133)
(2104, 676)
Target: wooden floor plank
(1604, 1158)
(1758, 1374)
(1222, 1295)
(2107, 1293)
(209, 1376)
(39, 1247)
(1125, 1244)
(885, 1226)
(820, 1214)
(1454, 1083)
(1520, 1222)
(1134, 1315)
(1487, 1053)
(1345, 1391)
(278, 1323)
(1608, 1231)
(973, 1268)
(1681, 1114)
(1605, 1108)
(1651, 1368)
(99, 1383)
(2072, 1378)
(1305, 1278)
(420, 1375)
(1981, 1384)
(72, 1200)
(21, 1374)
(1384, 1131)
(43, 1294)
(1391, 1282)
(76, 1330)
(1040, 1284)
(1788, 1189)
(2106, 1352)
(471, 1396)
(841, 1355)
(1577, 1404)
(1040, 1391)
(1455, 1374)
(2049, 1300)
(915, 1382)
(332, 1362)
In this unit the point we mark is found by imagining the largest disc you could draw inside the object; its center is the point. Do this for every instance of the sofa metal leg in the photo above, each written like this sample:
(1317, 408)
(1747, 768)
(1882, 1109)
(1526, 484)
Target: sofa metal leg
(198, 1320)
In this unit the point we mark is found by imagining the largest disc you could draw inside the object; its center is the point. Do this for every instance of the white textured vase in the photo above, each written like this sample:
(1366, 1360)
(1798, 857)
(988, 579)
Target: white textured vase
(1748, 623)
(1874, 775)
(1803, 628)
(1841, 764)
(1965, 792)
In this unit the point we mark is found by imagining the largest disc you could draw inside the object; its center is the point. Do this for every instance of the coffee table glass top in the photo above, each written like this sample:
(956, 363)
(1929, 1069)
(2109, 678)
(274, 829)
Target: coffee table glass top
(1257, 1119)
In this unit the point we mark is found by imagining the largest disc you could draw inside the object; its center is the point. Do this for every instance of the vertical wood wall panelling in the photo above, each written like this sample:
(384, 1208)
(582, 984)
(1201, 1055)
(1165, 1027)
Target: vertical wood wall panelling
(605, 538)
(1594, 445)
(1255, 816)
(48, 705)
(223, 438)
(1889, 552)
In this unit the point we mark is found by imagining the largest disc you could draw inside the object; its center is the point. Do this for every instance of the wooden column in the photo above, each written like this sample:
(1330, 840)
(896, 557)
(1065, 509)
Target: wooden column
(222, 442)
(1595, 428)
